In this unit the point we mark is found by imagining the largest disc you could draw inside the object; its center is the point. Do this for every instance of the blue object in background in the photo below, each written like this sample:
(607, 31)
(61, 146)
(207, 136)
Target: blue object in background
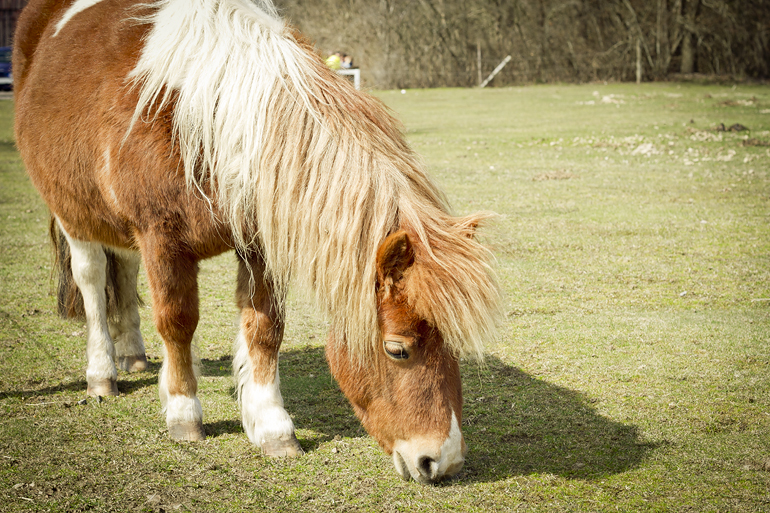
(6, 77)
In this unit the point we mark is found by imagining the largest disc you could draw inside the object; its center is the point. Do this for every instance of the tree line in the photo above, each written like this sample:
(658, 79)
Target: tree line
(434, 43)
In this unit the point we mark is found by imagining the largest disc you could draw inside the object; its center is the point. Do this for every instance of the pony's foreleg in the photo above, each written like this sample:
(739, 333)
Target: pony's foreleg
(129, 345)
(255, 364)
(89, 272)
(174, 289)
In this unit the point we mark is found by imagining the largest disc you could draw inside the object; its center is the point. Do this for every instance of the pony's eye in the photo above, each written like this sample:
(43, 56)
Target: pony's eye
(396, 350)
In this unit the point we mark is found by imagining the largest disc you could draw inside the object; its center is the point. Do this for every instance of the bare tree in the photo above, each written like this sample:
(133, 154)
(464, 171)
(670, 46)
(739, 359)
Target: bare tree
(429, 43)
(689, 15)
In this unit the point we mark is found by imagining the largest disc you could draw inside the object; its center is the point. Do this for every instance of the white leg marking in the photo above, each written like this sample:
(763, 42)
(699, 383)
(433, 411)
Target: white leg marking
(262, 413)
(179, 409)
(89, 271)
(77, 7)
(428, 460)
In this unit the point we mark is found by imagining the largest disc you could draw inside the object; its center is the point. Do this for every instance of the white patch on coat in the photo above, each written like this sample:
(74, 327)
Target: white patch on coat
(77, 7)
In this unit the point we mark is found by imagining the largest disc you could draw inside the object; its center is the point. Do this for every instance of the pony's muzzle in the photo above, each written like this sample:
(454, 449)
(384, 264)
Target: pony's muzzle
(429, 461)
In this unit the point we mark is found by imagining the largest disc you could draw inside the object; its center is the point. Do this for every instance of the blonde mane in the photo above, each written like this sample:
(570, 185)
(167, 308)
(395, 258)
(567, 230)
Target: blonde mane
(308, 171)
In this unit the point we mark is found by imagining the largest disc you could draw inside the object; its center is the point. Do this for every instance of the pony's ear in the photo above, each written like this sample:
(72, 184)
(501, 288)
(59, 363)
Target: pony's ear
(394, 256)
(469, 228)
(468, 225)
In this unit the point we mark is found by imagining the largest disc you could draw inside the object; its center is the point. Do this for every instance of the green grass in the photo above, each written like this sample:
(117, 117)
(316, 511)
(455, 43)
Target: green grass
(633, 369)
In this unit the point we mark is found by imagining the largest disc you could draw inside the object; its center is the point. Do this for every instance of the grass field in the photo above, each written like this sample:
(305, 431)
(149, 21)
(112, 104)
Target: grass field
(632, 372)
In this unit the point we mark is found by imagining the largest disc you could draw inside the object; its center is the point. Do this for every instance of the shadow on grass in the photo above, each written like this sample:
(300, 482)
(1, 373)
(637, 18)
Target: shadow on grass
(223, 427)
(516, 425)
(8, 146)
(125, 386)
(314, 399)
(127, 383)
(73, 386)
(220, 368)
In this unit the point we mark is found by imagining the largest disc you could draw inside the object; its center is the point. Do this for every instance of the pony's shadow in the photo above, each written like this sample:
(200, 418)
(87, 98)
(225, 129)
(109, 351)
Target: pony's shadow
(127, 383)
(314, 397)
(72, 386)
(514, 424)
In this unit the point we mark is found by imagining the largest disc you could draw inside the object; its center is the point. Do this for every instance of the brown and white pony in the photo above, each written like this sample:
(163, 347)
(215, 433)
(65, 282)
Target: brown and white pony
(170, 131)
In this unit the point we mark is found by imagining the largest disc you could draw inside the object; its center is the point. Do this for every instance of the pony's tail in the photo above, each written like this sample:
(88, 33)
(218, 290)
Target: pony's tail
(68, 297)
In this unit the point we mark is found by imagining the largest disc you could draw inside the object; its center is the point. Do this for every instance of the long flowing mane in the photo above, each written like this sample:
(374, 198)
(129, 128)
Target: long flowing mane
(306, 170)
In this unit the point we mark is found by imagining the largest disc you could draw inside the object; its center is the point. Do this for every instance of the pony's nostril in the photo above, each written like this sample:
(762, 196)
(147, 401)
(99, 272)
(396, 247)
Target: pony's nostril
(427, 467)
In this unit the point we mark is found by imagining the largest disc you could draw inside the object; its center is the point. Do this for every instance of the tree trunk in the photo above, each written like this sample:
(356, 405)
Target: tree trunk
(688, 45)
(662, 44)
(478, 62)
(638, 60)
(688, 54)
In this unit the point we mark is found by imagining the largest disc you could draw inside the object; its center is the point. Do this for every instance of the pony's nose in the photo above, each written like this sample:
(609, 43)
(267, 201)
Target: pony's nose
(428, 460)
(428, 468)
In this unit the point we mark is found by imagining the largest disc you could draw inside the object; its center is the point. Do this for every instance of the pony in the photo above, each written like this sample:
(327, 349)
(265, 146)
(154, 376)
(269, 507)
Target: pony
(164, 132)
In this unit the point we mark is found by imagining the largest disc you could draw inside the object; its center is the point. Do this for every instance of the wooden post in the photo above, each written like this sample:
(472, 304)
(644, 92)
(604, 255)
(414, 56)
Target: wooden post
(496, 71)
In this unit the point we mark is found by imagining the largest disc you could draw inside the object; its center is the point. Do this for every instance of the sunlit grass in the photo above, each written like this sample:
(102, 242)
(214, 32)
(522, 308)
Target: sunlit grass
(632, 371)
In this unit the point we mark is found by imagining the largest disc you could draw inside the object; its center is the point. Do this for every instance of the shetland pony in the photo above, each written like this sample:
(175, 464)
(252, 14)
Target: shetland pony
(166, 132)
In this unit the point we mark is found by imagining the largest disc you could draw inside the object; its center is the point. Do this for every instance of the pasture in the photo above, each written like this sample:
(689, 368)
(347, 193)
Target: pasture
(632, 372)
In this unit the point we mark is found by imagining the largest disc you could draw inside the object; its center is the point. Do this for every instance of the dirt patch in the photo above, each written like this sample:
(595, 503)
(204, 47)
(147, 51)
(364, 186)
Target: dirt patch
(755, 142)
(737, 127)
(554, 175)
(738, 103)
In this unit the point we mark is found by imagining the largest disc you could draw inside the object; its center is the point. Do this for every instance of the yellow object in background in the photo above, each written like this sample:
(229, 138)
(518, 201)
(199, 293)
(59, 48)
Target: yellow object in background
(334, 61)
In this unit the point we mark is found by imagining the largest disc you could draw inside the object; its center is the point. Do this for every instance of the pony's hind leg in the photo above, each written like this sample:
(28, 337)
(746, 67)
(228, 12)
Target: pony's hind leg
(255, 364)
(89, 272)
(124, 325)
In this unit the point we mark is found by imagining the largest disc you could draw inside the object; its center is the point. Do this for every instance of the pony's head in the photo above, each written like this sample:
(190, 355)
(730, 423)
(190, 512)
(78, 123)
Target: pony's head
(409, 394)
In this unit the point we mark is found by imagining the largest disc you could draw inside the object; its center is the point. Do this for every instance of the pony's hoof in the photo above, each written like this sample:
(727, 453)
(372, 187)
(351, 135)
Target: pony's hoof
(285, 447)
(189, 431)
(102, 387)
(136, 363)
